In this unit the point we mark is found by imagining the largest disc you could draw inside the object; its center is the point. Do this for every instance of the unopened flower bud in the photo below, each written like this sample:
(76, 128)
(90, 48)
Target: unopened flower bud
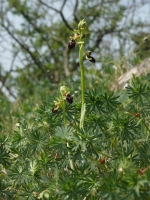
(82, 26)
(64, 90)
(102, 161)
(137, 115)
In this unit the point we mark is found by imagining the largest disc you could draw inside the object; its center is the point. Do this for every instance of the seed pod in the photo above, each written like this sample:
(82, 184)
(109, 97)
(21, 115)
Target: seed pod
(71, 44)
(90, 58)
(69, 98)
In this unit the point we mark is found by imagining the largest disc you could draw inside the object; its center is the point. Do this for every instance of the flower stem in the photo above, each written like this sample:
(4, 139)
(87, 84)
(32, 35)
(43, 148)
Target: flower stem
(64, 114)
(70, 160)
(82, 70)
(82, 84)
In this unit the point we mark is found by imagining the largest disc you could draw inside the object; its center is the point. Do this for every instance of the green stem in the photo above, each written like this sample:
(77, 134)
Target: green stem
(70, 160)
(82, 84)
(64, 113)
(82, 71)
(146, 125)
(143, 121)
(122, 148)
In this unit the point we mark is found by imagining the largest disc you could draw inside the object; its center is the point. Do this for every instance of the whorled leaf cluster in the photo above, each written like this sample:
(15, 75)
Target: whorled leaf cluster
(110, 156)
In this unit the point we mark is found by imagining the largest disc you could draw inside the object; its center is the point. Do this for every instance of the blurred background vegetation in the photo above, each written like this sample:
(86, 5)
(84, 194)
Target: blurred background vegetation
(36, 34)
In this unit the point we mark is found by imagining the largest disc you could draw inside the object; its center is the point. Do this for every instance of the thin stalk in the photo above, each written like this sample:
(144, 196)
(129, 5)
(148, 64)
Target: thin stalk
(122, 148)
(82, 71)
(82, 85)
(143, 121)
(64, 114)
(70, 160)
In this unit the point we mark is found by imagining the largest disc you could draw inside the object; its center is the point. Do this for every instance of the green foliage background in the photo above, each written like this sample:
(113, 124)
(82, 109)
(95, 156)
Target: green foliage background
(111, 154)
